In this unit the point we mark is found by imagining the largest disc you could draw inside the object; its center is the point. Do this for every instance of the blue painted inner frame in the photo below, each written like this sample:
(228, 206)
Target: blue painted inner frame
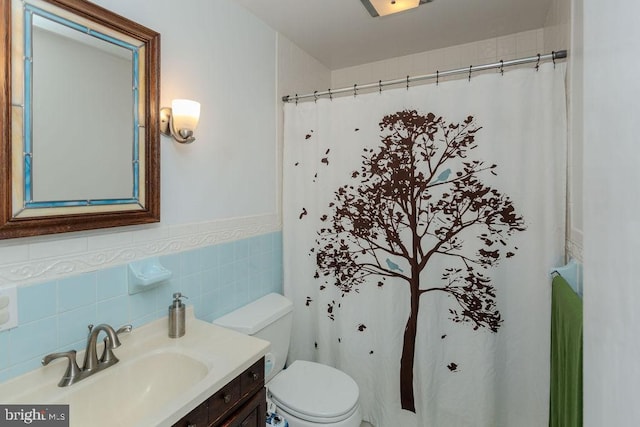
(29, 203)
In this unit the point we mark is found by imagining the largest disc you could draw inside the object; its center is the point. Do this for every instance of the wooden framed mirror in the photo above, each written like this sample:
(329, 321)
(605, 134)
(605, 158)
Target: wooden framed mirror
(79, 101)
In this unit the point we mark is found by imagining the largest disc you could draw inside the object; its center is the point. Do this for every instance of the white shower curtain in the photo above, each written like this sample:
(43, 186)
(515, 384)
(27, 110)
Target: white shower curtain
(420, 226)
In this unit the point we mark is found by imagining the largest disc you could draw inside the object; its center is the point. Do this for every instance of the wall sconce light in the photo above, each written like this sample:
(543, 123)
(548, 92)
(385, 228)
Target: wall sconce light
(180, 120)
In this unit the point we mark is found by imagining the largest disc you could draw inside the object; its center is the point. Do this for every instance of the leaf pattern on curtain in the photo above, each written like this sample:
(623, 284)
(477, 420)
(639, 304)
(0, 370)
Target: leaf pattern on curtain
(417, 197)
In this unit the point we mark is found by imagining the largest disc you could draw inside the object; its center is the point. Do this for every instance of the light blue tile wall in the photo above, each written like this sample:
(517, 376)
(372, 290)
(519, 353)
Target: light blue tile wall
(53, 316)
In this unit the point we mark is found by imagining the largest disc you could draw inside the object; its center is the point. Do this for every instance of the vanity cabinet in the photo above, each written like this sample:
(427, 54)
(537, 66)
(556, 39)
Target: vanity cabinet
(240, 403)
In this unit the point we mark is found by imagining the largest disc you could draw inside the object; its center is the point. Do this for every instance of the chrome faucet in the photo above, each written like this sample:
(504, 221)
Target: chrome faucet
(91, 364)
(91, 355)
(107, 354)
(72, 373)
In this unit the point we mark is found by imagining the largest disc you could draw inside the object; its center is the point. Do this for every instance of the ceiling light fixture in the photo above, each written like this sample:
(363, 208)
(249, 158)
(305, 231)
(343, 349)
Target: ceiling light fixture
(387, 7)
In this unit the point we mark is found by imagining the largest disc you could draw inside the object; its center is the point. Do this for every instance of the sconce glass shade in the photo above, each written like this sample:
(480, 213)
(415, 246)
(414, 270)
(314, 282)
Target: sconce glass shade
(185, 113)
(181, 120)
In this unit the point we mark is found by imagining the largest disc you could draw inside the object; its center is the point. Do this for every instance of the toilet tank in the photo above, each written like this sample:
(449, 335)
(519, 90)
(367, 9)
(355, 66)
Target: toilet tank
(269, 318)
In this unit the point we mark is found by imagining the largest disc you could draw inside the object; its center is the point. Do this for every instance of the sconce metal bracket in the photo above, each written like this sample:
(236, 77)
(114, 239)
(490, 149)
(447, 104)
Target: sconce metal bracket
(166, 128)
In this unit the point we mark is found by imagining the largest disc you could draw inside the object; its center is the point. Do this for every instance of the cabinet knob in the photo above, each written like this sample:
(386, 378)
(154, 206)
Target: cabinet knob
(254, 376)
(192, 425)
(227, 398)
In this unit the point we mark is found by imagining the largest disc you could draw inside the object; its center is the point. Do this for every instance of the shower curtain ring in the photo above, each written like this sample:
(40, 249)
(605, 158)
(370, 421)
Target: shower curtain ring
(315, 96)
(501, 67)
(538, 63)
(379, 86)
(437, 77)
(470, 67)
(553, 58)
(296, 99)
(355, 90)
(407, 82)
(330, 94)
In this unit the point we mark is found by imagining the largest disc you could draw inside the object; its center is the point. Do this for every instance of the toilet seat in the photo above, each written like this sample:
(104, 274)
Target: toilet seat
(315, 392)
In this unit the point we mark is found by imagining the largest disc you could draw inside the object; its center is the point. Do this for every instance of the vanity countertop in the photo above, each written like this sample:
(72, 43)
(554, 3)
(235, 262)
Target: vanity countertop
(157, 381)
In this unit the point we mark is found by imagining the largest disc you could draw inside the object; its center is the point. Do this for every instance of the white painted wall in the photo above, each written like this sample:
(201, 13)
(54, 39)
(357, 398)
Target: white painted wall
(611, 218)
(220, 55)
(527, 43)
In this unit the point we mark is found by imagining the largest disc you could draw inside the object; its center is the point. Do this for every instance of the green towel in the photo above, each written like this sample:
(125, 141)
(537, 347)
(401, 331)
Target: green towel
(566, 356)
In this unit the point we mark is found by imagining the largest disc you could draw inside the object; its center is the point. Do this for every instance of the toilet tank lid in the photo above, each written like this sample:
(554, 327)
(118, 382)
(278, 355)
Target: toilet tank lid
(256, 315)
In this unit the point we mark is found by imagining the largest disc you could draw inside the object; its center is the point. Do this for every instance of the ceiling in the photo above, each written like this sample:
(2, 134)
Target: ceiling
(341, 33)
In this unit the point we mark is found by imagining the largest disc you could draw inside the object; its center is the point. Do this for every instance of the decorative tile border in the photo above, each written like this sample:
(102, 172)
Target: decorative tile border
(167, 240)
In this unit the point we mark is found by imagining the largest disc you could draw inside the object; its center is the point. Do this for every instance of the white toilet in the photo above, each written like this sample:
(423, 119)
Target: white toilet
(307, 394)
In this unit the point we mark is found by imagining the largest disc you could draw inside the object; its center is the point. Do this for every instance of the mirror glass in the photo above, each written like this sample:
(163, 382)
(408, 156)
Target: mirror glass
(82, 150)
(98, 138)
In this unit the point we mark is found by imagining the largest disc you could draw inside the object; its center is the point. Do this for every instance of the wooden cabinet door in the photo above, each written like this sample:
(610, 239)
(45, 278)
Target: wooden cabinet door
(251, 414)
(242, 402)
(199, 417)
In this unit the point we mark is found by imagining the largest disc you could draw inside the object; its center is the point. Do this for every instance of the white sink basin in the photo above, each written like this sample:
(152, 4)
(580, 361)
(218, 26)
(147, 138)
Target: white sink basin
(157, 381)
(137, 388)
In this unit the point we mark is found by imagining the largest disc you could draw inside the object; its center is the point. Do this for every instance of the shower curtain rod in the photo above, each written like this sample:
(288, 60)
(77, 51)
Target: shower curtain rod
(468, 70)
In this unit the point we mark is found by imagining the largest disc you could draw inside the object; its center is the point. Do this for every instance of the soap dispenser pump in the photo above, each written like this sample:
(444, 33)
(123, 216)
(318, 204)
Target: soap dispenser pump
(177, 316)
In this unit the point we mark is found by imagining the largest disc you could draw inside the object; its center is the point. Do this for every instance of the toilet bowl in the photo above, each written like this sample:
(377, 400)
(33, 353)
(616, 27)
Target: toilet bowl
(306, 394)
(310, 394)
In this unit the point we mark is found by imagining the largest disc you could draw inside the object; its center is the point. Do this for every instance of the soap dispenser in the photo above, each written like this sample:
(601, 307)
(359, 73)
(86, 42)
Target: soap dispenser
(177, 316)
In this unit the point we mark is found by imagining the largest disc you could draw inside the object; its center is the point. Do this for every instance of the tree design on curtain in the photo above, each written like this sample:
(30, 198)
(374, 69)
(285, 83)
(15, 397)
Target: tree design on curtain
(419, 197)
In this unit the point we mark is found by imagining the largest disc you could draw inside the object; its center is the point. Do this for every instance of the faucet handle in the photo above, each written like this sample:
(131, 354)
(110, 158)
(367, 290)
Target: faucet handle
(90, 327)
(123, 329)
(72, 374)
(107, 353)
